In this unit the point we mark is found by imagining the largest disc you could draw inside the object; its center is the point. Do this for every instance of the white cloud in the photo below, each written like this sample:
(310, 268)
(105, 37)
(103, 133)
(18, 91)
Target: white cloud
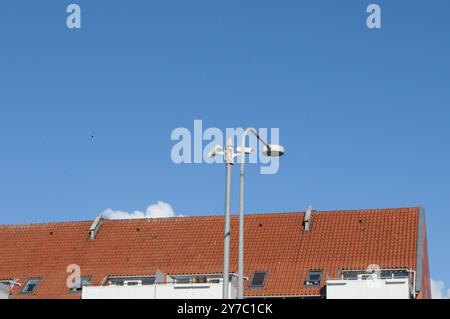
(438, 290)
(157, 210)
(160, 209)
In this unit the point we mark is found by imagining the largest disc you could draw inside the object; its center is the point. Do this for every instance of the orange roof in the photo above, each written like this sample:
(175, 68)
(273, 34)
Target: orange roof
(276, 243)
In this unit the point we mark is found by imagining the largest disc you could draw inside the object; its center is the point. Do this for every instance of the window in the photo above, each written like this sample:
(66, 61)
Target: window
(349, 275)
(358, 274)
(366, 276)
(31, 286)
(394, 274)
(313, 279)
(84, 281)
(131, 281)
(215, 280)
(183, 280)
(196, 279)
(370, 274)
(146, 281)
(201, 279)
(258, 279)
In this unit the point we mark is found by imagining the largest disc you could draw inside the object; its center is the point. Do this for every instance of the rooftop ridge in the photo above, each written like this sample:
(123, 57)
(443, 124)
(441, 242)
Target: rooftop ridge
(69, 222)
(234, 214)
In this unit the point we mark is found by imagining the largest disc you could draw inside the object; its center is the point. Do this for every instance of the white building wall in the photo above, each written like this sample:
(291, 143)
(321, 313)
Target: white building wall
(4, 291)
(162, 291)
(369, 289)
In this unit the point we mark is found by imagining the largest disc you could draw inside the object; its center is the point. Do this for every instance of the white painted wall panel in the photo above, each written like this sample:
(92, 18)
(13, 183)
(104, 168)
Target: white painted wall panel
(165, 291)
(368, 289)
(4, 291)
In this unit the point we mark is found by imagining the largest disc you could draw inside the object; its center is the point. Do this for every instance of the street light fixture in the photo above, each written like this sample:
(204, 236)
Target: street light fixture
(272, 150)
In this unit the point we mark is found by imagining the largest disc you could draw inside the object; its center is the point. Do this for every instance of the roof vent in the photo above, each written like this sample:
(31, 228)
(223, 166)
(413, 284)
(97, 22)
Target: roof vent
(308, 218)
(159, 277)
(93, 230)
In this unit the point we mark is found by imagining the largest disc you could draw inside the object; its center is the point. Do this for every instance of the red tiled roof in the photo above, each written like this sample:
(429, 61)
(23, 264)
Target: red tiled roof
(276, 243)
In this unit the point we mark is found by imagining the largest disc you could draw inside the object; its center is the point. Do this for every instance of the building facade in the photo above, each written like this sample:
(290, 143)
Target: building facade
(313, 254)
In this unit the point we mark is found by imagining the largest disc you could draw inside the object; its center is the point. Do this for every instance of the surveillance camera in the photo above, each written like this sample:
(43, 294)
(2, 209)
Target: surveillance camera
(216, 151)
(246, 150)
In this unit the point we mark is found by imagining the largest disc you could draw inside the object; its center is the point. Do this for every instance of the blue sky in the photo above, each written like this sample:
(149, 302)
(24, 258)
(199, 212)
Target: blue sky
(364, 114)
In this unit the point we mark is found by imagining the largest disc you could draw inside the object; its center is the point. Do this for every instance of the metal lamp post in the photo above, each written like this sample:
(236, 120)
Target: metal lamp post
(229, 161)
(229, 155)
(269, 150)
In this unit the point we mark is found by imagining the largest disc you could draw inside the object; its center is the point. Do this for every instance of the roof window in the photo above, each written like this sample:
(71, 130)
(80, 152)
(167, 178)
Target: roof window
(313, 279)
(30, 286)
(258, 279)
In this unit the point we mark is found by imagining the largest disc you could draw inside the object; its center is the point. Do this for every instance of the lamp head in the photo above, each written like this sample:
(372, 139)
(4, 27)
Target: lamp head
(273, 150)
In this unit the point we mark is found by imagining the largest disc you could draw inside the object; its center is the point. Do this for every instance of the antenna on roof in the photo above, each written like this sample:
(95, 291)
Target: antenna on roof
(308, 218)
(93, 230)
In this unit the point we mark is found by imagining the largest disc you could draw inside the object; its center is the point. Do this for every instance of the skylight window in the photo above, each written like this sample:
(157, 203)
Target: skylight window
(258, 279)
(31, 286)
(314, 277)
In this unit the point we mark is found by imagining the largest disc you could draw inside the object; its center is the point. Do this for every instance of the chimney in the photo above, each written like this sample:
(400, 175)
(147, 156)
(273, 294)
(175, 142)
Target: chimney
(93, 230)
(308, 218)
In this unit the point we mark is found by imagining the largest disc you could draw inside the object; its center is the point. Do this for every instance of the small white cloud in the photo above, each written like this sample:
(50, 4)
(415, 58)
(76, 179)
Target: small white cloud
(158, 210)
(438, 290)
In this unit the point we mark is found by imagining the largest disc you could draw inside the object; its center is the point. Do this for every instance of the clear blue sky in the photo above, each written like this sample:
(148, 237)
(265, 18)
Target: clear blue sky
(364, 114)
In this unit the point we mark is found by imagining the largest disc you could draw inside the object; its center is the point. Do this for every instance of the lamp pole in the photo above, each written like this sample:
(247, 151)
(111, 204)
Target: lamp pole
(229, 155)
(229, 161)
(270, 150)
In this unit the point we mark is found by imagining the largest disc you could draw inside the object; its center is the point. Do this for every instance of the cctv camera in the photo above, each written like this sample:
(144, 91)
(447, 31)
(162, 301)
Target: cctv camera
(245, 150)
(216, 151)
